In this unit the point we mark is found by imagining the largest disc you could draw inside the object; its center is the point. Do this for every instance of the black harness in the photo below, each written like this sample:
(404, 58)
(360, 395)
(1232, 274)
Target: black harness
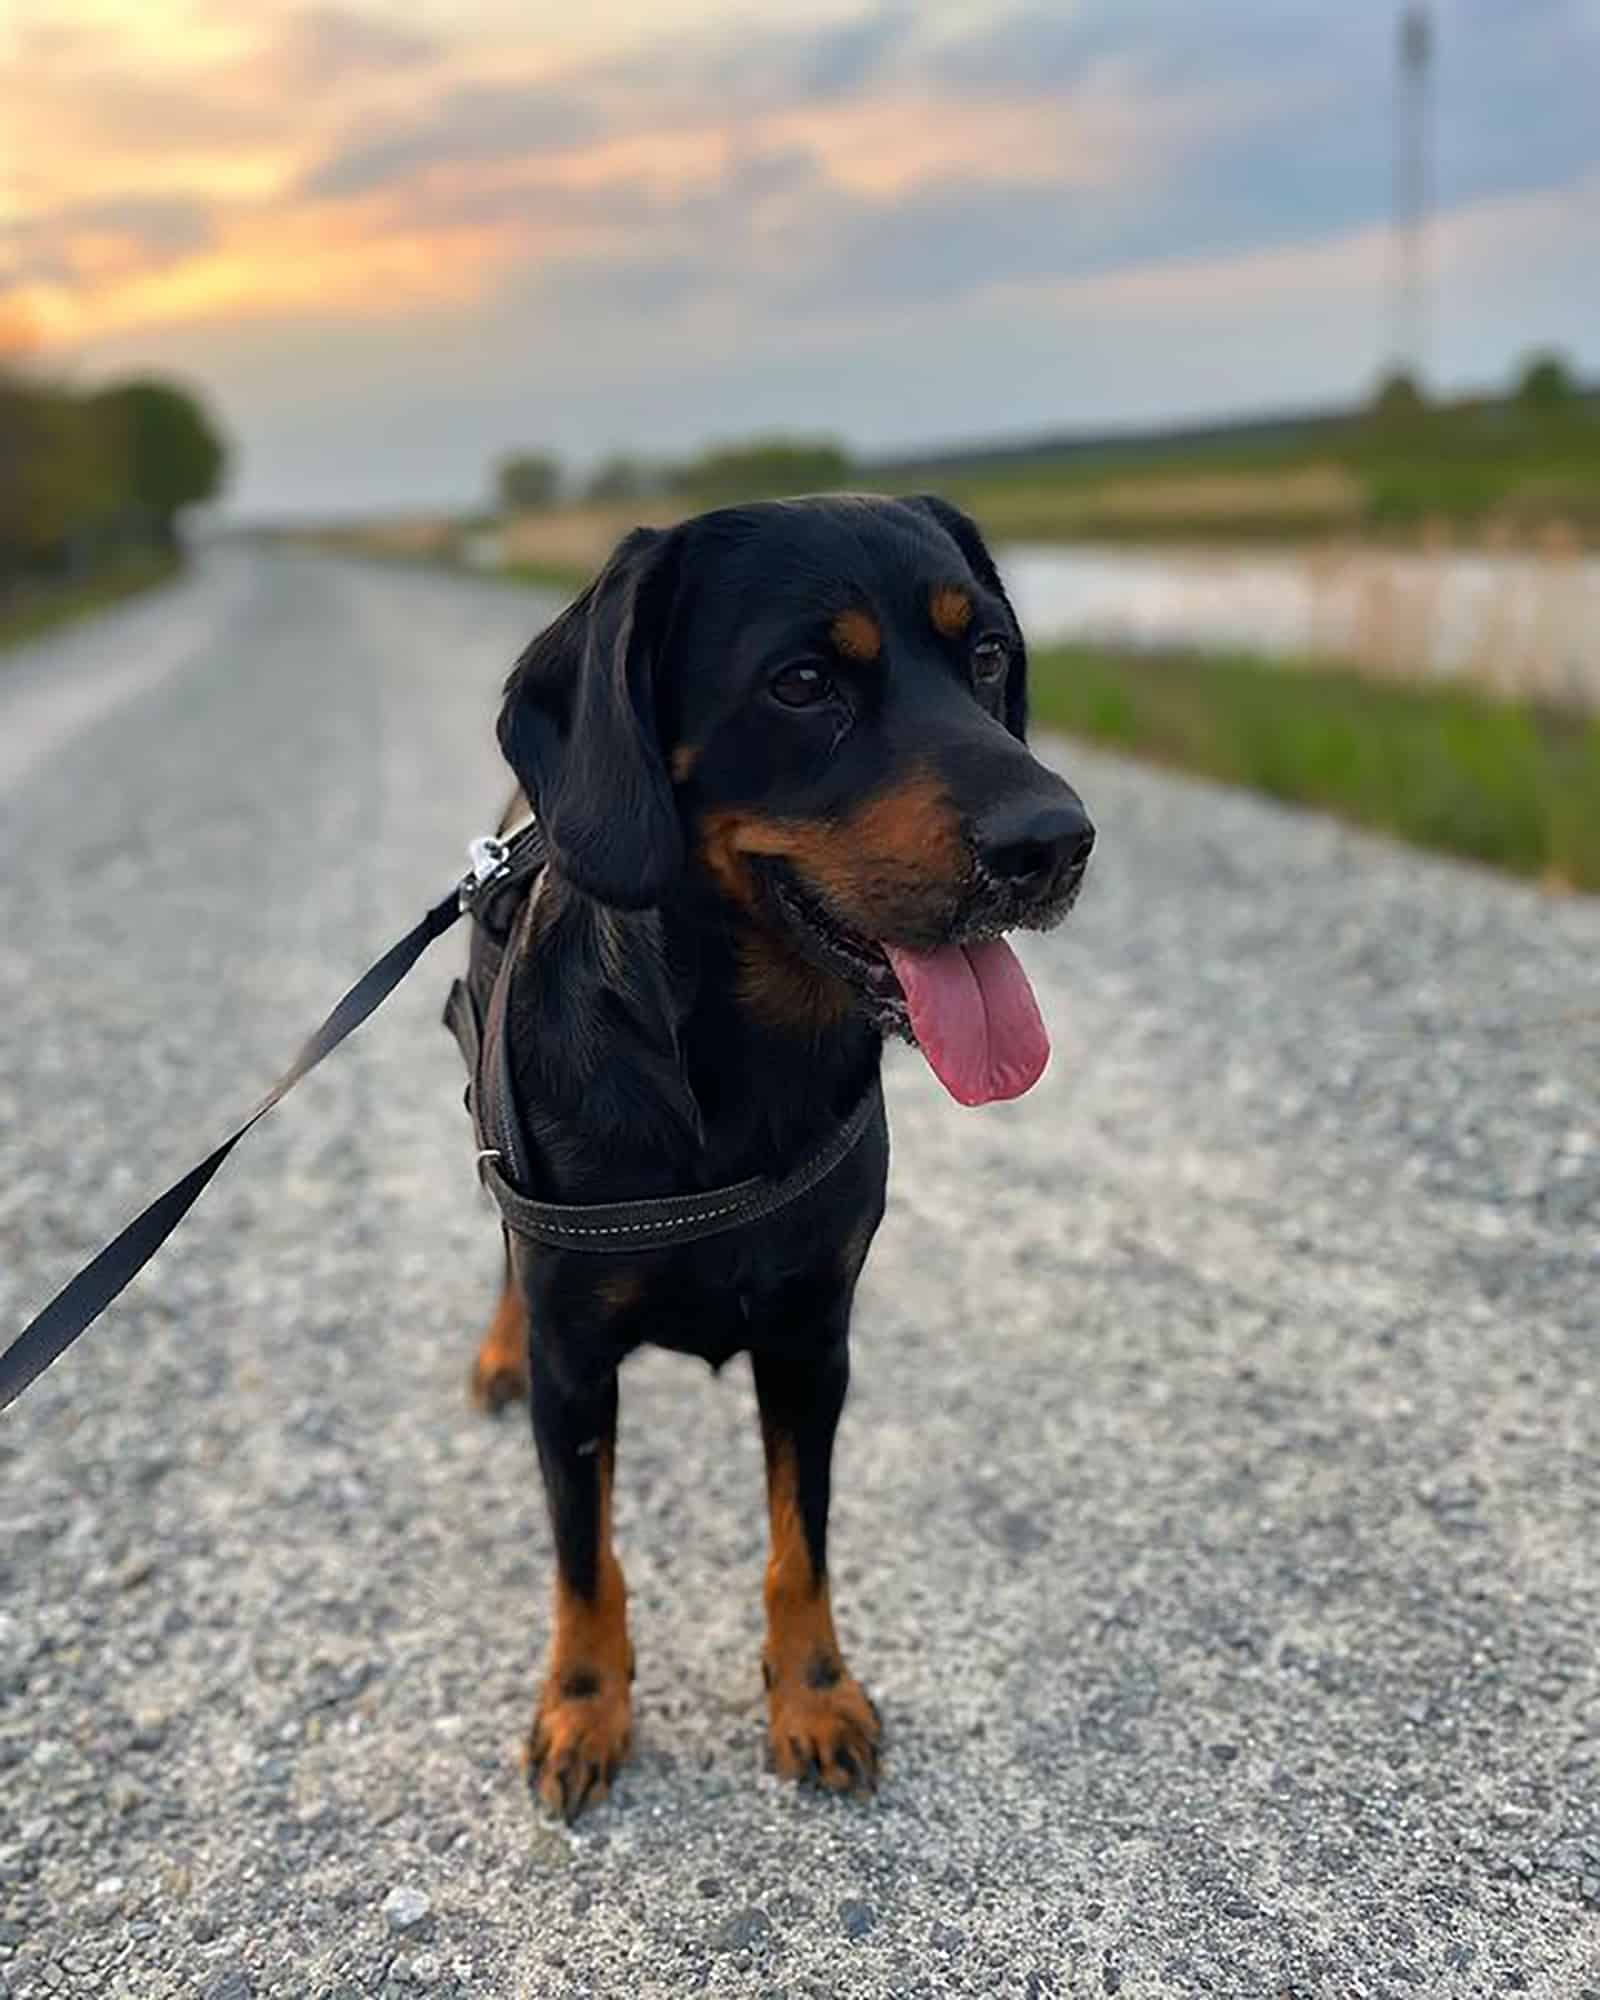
(475, 1015)
(497, 894)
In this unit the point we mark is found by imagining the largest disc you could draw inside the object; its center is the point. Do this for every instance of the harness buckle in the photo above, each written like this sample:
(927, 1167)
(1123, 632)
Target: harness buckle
(491, 863)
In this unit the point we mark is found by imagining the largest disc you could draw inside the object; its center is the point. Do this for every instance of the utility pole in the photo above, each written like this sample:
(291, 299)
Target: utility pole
(1409, 333)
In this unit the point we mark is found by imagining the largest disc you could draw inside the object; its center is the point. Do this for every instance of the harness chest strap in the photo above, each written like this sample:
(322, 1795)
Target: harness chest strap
(670, 1220)
(659, 1223)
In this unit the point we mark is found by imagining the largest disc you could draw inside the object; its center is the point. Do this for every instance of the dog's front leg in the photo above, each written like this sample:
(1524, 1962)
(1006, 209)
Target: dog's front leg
(582, 1724)
(820, 1721)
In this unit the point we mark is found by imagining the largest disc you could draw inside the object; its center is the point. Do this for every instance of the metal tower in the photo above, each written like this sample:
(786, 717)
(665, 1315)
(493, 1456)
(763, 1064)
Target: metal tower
(1409, 332)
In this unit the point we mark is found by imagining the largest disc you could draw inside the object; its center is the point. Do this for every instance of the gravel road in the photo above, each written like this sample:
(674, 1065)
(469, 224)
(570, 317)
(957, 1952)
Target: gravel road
(1218, 1516)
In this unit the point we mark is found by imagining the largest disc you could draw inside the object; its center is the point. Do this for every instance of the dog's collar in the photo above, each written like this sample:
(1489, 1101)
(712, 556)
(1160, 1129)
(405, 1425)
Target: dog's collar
(509, 864)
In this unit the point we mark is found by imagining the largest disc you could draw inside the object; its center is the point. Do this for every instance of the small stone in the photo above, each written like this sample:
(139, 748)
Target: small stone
(406, 1909)
(1522, 1865)
(424, 1968)
(231, 1983)
(945, 1937)
(10, 1933)
(204, 1928)
(709, 1885)
(149, 1730)
(1240, 1906)
(857, 1918)
(1225, 1753)
(744, 1929)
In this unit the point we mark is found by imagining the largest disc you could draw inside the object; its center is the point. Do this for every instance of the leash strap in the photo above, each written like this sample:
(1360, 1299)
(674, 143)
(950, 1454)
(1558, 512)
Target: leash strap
(85, 1297)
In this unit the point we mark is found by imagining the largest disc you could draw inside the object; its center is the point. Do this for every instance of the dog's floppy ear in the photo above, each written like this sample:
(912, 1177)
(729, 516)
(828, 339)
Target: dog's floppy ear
(578, 726)
(963, 531)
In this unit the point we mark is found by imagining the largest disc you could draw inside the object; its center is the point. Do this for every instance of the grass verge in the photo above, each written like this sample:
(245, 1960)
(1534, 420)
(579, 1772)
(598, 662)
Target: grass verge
(1442, 767)
(39, 611)
(568, 578)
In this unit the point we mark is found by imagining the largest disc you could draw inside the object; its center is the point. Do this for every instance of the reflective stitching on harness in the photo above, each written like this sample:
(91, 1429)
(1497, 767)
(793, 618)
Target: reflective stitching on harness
(628, 1228)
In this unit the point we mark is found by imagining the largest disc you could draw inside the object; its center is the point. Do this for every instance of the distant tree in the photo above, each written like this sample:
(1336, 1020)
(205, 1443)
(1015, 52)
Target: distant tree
(525, 481)
(1399, 404)
(62, 478)
(620, 477)
(766, 467)
(1546, 385)
(172, 453)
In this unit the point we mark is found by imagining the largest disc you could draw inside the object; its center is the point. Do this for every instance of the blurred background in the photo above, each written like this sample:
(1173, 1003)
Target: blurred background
(1261, 338)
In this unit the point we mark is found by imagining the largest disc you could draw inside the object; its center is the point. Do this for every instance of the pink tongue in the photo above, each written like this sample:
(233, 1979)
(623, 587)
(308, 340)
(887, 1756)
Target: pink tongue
(975, 1018)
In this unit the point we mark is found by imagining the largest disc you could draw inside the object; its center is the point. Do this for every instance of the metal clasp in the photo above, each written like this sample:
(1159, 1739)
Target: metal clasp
(491, 860)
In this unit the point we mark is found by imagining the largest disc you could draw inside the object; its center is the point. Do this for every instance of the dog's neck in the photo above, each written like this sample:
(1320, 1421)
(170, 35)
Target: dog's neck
(673, 1049)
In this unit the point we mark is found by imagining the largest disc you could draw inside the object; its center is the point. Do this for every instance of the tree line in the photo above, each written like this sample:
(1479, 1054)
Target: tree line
(528, 481)
(90, 477)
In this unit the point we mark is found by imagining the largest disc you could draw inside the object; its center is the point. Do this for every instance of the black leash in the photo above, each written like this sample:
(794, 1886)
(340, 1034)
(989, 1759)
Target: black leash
(86, 1296)
(657, 1224)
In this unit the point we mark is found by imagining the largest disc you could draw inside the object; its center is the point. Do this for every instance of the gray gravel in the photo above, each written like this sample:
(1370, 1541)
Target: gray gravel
(1218, 1505)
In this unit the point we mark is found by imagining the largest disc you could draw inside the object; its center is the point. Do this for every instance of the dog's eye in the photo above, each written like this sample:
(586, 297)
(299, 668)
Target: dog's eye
(990, 659)
(801, 686)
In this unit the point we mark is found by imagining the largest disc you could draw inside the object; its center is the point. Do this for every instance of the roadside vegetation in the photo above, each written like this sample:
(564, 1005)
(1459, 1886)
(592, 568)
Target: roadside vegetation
(92, 488)
(1506, 783)
(30, 614)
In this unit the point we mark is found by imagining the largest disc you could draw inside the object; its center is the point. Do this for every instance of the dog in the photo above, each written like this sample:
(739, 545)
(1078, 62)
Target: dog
(776, 755)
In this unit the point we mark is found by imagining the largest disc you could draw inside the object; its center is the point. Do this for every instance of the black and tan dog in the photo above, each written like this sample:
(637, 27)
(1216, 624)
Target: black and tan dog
(777, 756)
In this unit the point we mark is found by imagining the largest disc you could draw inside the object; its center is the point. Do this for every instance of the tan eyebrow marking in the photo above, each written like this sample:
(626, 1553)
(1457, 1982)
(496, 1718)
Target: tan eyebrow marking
(856, 635)
(950, 608)
(684, 759)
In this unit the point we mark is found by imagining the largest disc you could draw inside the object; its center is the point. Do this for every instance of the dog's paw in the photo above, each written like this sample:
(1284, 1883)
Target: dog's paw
(581, 1733)
(500, 1373)
(823, 1728)
(496, 1383)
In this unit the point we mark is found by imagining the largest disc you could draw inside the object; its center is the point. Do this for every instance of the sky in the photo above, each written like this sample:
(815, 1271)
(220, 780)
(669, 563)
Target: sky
(390, 241)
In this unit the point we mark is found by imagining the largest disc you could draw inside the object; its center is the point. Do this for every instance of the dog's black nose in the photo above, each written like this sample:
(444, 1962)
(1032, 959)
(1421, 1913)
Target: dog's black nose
(1026, 844)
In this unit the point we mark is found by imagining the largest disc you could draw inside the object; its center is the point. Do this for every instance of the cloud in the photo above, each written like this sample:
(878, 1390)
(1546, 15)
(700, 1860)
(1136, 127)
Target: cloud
(324, 47)
(72, 245)
(847, 57)
(471, 124)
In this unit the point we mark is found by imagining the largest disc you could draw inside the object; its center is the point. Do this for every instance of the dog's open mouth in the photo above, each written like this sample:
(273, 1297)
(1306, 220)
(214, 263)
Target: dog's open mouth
(968, 1006)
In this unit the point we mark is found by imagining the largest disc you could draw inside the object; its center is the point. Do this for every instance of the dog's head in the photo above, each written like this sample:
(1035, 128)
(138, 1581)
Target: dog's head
(814, 709)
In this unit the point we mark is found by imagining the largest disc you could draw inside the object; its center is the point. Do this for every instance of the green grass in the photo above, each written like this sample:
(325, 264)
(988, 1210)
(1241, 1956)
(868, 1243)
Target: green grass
(1443, 768)
(40, 609)
(568, 578)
